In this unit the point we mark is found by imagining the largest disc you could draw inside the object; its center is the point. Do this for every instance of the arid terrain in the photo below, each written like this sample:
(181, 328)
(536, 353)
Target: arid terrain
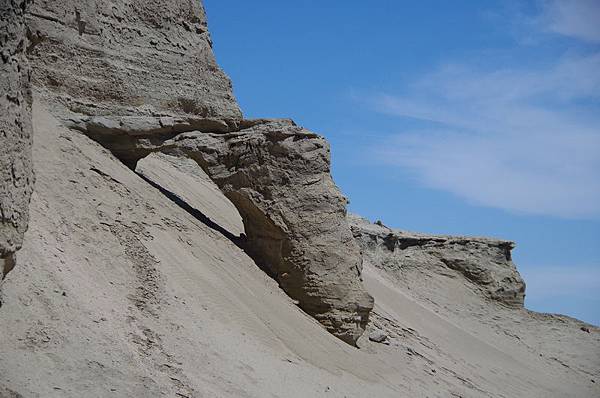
(173, 248)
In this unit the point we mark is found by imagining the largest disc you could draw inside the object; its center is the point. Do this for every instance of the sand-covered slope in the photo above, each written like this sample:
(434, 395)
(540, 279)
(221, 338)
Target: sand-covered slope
(120, 292)
(134, 278)
(451, 320)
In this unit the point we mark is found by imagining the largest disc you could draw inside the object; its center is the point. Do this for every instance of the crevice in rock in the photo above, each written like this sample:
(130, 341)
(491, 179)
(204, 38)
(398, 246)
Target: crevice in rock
(7, 263)
(127, 149)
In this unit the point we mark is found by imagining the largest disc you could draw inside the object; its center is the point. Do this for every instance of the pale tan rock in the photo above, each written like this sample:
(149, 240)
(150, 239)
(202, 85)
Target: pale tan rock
(128, 58)
(16, 174)
(485, 262)
(278, 177)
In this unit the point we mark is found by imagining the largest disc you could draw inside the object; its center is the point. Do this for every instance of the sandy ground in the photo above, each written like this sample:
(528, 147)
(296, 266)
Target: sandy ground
(120, 292)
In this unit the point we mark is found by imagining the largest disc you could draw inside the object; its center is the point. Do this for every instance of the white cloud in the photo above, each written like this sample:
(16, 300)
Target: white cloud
(576, 18)
(553, 282)
(571, 290)
(523, 139)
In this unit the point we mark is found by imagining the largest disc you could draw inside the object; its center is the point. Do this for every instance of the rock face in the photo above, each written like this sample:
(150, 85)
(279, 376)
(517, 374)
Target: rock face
(16, 174)
(128, 58)
(129, 285)
(485, 262)
(278, 177)
(119, 292)
(133, 75)
(129, 71)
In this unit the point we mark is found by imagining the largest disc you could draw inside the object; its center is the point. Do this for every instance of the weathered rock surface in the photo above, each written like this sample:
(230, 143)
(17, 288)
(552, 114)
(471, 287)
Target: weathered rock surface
(278, 177)
(120, 292)
(16, 178)
(128, 58)
(122, 289)
(134, 74)
(483, 261)
(186, 182)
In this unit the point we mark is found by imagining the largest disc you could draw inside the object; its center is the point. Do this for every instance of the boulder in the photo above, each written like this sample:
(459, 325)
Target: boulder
(378, 336)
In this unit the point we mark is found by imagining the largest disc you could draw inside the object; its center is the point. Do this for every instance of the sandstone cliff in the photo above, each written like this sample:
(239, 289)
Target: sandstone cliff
(175, 249)
(484, 262)
(145, 77)
(278, 176)
(16, 178)
(128, 58)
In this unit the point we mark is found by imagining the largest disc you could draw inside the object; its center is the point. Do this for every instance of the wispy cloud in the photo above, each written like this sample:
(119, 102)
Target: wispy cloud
(577, 18)
(551, 282)
(522, 139)
(568, 289)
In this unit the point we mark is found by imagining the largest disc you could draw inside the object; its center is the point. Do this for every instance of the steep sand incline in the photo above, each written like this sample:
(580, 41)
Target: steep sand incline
(423, 267)
(485, 361)
(187, 183)
(120, 292)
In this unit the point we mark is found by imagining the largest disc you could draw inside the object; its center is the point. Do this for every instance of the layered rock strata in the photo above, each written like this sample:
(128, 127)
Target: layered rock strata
(485, 262)
(138, 74)
(128, 58)
(16, 174)
(278, 176)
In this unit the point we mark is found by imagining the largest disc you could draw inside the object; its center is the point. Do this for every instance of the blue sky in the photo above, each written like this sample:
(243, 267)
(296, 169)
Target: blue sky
(462, 117)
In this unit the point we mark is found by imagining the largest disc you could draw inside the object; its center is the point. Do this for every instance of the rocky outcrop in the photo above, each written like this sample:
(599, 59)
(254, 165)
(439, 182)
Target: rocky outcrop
(485, 262)
(16, 175)
(128, 58)
(140, 77)
(278, 177)
(129, 285)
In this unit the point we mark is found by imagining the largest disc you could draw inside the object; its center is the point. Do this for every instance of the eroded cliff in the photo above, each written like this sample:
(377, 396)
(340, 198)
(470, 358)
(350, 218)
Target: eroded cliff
(147, 280)
(140, 77)
(16, 173)
(128, 58)
(278, 176)
(485, 262)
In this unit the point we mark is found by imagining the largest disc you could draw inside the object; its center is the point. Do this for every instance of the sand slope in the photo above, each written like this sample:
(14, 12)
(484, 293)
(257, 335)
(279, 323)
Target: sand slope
(120, 292)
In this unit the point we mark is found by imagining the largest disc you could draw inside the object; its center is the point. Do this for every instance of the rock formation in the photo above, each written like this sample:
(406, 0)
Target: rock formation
(147, 65)
(16, 178)
(158, 212)
(483, 261)
(128, 58)
(278, 176)
(145, 80)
